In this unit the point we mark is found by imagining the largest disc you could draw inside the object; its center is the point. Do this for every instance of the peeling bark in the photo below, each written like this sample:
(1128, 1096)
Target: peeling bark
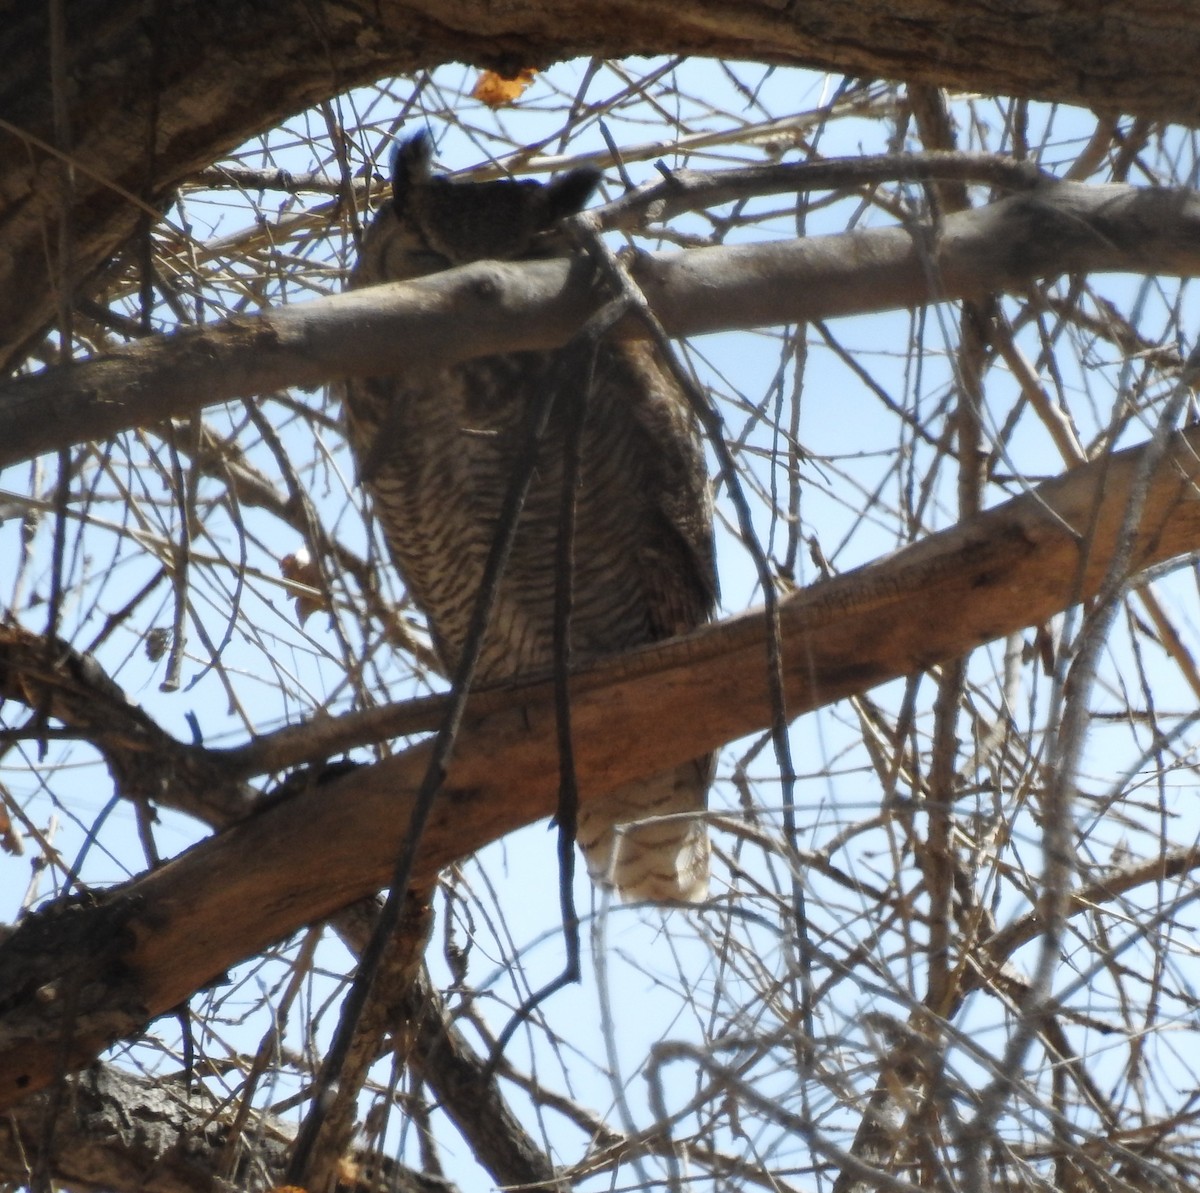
(119, 1131)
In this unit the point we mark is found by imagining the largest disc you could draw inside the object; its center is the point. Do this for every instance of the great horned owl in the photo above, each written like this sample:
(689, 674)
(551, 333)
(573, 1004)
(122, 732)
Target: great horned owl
(436, 447)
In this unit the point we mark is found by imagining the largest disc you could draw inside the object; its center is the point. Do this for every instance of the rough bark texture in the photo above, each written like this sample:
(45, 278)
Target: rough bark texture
(157, 91)
(1058, 228)
(119, 1131)
(106, 968)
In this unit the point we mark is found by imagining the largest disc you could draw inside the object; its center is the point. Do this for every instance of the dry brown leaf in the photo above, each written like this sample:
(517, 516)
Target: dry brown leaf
(498, 92)
(301, 568)
(10, 836)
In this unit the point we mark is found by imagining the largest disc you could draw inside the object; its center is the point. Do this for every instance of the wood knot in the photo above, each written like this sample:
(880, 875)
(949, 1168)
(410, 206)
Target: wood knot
(486, 286)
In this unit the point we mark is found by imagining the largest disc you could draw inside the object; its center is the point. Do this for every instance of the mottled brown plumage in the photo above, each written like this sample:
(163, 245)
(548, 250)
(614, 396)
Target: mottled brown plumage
(436, 448)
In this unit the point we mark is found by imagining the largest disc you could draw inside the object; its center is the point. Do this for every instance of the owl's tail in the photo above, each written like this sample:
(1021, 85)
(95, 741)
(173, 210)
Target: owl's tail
(647, 839)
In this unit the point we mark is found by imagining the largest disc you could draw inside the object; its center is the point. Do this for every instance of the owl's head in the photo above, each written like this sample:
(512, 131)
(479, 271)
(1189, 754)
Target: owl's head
(435, 223)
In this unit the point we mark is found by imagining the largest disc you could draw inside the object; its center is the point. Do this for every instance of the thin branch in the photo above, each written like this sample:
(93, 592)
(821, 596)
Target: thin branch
(695, 190)
(1059, 791)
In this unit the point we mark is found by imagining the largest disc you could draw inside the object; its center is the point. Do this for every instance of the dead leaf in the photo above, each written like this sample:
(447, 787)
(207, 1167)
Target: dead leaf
(301, 568)
(10, 837)
(498, 92)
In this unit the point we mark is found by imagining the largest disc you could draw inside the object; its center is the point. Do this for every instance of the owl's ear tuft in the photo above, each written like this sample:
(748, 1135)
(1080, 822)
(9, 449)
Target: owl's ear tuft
(566, 195)
(411, 166)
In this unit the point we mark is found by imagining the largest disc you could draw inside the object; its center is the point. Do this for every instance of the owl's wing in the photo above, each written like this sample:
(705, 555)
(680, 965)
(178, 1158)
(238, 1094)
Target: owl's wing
(679, 558)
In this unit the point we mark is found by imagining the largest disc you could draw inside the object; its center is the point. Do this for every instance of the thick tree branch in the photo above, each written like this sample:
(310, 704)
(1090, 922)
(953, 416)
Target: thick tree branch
(102, 970)
(490, 307)
(124, 1132)
(145, 762)
(217, 73)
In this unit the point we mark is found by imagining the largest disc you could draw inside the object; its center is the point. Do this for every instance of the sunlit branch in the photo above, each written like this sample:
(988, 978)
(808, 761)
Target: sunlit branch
(489, 307)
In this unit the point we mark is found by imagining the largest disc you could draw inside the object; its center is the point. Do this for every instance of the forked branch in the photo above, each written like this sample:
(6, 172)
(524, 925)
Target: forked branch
(101, 971)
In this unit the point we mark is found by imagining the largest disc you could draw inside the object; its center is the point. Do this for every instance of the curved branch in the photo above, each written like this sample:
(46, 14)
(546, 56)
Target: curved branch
(99, 972)
(224, 71)
(492, 307)
(144, 760)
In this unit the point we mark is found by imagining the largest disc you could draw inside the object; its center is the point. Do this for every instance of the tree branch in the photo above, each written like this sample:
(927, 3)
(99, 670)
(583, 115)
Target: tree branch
(228, 72)
(493, 307)
(124, 1132)
(144, 760)
(100, 971)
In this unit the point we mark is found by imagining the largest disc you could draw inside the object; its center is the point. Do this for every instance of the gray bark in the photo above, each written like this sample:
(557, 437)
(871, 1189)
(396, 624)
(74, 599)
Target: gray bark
(489, 307)
(114, 1130)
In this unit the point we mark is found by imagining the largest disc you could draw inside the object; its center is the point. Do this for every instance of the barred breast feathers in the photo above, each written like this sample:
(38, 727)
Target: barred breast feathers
(436, 449)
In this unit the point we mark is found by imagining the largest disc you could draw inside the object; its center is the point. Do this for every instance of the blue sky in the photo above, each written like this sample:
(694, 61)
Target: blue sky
(726, 974)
